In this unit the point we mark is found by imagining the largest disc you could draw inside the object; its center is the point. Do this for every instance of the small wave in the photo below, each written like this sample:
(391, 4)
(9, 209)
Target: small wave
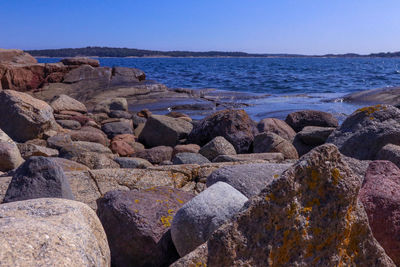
(397, 72)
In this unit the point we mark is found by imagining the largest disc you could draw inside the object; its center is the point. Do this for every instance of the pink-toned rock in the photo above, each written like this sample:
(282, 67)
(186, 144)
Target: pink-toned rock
(128, 138)
(380, 195)
(191, 148)
(90, 134)
(121, 148)
(278, 127)
(16, 56)
(80, 61)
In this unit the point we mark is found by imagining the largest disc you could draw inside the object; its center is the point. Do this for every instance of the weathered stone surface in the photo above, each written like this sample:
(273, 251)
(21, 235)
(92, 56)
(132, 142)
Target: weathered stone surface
(38, 177)
(272, 157)
(29, 150)
(23, 117)
(137, 224)
(380, 194)
(192, 148)
(113, 129)
(164, 131)
(69, 165)
(367, 130)
(58, 141)
(4, 183)
(300, 119)
(309, 216)
(248, 179)
(90, 134)
(64, 102)
(16, 56)
(278, 127)
(194, 223)
(122, 148)
(301, 148)
(270, 142)
(133, 163)
(118, 103)
(51, 232)
(122, 75)
(156, 154)
(314, 135)
(87, 72)
(189, 158)
(127, 138)
(120, 114)
(391, 153)
(234, 125)
(10, 156)
(216, 147)
(81, 61)
(359, 167)
(69, 124)
(22, 77)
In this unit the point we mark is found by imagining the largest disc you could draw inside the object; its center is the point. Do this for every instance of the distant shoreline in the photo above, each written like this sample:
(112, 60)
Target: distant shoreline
(222, 57)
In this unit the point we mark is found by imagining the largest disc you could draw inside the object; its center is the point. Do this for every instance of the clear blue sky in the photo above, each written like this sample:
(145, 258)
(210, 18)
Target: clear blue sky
(264, 26)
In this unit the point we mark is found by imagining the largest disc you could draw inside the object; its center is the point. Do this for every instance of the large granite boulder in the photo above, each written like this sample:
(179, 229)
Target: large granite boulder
(38, 177)
(10, 156)
(64, 102)
(123, 75)
(137, 225)
(22, 77)
(310, 216)
(81, 61)
(300, 119)
(16, 56)
(380, 194)
(189, 158)
(51, 232)
(88, 73)
(216, 147)
(270, 142)
(194, 223)
(367, 130)
(248, 179)
(23, 117)
(278, 127)
(234, 125)
(162, 130)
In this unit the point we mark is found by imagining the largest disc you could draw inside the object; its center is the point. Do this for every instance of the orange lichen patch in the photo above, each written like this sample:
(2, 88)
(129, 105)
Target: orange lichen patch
(136, 211)
(179, 200)
(292, 210)
(166, 221)
(313, 202)
(314, 179)
(348, 249)
(270, 197)
(276, 176)
(200, 264)
(281, 255)
(336, 176)
(370, 110)
(307, 209)
(137, 201)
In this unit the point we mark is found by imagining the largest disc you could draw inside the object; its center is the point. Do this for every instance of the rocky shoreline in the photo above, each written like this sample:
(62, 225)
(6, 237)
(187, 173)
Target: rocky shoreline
(86, 181)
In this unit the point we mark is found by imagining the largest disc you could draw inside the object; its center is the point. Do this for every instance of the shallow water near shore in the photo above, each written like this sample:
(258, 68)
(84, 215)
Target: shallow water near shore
(274, 86)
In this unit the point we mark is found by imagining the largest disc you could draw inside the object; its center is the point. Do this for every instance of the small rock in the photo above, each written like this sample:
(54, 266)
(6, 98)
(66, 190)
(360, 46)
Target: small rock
(59, 141)
(10, 156)
(69, 124)
(121, 148)
(189, 158)
(120, 114)
(278, 127)
(271, 157)
(66, 103)
(116, 128)
(137, 224)
(156, 154)
(90, 134)
(314, 135)
(270, 142)
(145, 113)
(194, 223)
(192, 148)
(391, 153)
(300, 119)
(133, 163)
(38, 177)
(29, 150)
(216, 147)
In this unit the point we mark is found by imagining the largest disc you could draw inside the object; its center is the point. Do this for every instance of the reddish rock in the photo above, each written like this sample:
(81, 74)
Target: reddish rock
(16, 56)
(155, 155)
(137, 225)
(22, 77)
(128, 138)
(121, 148)
(90, 134)
(380, 195)
(234, 125)
(80, 61)
(191, 148)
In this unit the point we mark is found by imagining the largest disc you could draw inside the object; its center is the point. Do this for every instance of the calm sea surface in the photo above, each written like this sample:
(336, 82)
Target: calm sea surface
(294, 83)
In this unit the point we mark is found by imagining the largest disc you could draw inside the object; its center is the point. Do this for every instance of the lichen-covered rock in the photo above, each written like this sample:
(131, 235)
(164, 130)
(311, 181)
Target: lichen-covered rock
(23, 117)
(234, 125)
(380, 194)
(10, 156)
(137, 224)
(270, 142)
(310, 216)
(248, 179)
(278, 127)
(367, 130)
(64, 102)
(189, 158)
(38, 177)
(164, 131)
(216, 147)
(300, 119)
(51, 232)
(194, 223)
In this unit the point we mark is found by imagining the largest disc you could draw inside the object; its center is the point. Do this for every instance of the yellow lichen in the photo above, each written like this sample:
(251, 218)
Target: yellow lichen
(370, 110)
(314, 179)
(276, 176)
(336, 176)
(170, 211)
(166, 221)
(200, 264)
(270, 197)
(179, 200)
(307, 209)
(136, 201)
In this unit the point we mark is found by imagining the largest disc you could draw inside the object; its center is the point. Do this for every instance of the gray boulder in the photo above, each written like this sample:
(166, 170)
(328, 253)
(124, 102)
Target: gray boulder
(270, 142)
(118, 103)
(10, 156)
(29, 150)
(64, 102)
(365, 132)
(300, 119)
(249, 179)
(155, 155)
(88, 73)
(314, 135)
(218, 146)
(69, 124)
(38, 177)
(162, 130)
(133, 163)
(189, 158)
(194, 223)
(113, 129)
(123, 75)
(391, 153)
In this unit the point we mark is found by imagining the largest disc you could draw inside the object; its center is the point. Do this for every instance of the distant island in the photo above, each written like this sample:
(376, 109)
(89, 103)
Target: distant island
(94, 51)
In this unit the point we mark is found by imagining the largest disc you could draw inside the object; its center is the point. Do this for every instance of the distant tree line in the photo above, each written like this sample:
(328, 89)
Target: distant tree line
(93, 51)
